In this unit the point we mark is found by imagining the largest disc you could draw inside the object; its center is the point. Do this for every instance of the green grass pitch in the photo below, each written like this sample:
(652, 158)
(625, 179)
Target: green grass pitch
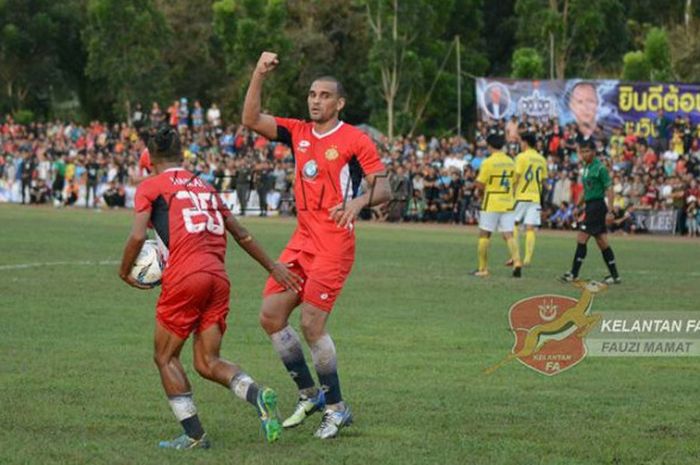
(413, 331)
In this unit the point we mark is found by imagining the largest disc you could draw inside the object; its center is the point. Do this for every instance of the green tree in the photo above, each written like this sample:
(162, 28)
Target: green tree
(31, 35)
(581, 35)
(245, 28)
(636, 67)
(409, 80)
(685, 51)
(126, 41)
(658, 54)
(194, 58)
(331, 37)
(652, 63)
(527, 64)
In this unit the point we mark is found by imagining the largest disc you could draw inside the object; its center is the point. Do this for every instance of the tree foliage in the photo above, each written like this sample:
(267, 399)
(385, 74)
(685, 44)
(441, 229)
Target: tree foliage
(658, 54)
(125, 41)
(581, 35)
(527, 64)
(34, 36)
(636, 67)
(396, 58)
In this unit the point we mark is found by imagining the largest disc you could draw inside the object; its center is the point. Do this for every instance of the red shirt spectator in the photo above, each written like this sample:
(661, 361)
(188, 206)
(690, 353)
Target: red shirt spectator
(576, 191)
(260, 143)
(650, 158)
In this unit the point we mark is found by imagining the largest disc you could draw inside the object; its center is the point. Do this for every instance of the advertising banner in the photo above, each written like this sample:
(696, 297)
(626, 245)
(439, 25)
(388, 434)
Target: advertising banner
(610, 103)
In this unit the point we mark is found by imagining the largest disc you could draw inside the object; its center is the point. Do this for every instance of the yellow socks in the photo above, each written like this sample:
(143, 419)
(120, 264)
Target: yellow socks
(529, 246)
(514, 252)
(483, 253)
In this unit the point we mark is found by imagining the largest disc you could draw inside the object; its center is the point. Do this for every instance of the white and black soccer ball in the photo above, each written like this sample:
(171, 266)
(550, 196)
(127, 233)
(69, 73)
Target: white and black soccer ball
(148, 267)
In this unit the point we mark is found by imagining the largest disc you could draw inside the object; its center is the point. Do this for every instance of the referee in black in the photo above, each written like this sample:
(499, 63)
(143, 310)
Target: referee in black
(596, 187)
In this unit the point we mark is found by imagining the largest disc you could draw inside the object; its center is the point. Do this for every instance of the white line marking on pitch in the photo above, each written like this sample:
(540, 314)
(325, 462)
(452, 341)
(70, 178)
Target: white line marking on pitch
(22, 266)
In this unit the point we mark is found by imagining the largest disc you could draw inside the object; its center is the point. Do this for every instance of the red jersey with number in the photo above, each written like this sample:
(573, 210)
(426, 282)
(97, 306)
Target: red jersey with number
(188, 218)
(328, 171)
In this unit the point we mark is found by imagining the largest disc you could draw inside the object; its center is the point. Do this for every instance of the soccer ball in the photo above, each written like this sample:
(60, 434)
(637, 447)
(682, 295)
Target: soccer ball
(148, 267)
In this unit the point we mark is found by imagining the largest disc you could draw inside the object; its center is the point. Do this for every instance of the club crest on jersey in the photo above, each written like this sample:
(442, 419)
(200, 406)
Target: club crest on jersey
(303, 145)
(332, 153)
(310, 169)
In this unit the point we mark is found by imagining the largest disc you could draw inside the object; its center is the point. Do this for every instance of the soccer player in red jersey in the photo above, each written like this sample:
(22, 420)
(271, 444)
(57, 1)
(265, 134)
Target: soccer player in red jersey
(190, 222)
(330, 157)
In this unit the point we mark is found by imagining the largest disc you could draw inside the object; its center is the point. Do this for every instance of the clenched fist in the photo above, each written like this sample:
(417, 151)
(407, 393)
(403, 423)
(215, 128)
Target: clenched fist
(267, 62)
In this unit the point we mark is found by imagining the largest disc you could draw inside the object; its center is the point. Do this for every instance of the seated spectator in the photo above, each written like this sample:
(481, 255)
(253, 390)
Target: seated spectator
(114, 196)
(39, 193)
(563, 217)
(623, 221)
(415, 208)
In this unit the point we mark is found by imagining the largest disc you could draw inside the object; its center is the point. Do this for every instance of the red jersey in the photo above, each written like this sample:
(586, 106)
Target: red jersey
(328, 170)
(188, 218)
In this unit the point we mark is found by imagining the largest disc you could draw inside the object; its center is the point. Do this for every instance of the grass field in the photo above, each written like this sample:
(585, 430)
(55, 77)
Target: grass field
(413, 331)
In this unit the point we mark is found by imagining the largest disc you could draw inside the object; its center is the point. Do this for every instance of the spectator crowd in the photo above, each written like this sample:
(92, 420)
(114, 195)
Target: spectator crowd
(433, 178)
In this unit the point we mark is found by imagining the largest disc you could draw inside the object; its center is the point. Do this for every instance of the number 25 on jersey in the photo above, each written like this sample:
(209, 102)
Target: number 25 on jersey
(200, 217)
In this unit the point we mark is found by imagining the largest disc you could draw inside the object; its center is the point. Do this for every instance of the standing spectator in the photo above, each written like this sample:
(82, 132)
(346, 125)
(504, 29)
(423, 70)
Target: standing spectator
(243, 179)
(173, 113)
(562, 190)
(280, 175)
(264, 181)
(214, 116)
(183, 116)
(59, 181)
(92, 171)
(662, 125)
(26, 172)
(197, 116)
(138, 118)
(692, 216)
(156, 114)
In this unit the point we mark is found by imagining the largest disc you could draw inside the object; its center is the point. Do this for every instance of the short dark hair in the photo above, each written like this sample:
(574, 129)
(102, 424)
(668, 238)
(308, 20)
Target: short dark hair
(165, 144)
(338, 85)
(529, 137)
(496, 140)
(586, 142)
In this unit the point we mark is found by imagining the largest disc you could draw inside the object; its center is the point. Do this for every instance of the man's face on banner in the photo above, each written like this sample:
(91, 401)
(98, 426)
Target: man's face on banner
(584, 106)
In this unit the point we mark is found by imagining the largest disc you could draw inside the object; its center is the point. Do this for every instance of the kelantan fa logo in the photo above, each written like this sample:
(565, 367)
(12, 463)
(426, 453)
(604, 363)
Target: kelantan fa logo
(549, 330)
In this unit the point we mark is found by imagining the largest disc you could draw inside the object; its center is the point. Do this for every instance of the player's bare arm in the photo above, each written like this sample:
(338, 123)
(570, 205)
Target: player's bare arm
(252, 117)
(345, 213)
(132, 248)
(279, 271)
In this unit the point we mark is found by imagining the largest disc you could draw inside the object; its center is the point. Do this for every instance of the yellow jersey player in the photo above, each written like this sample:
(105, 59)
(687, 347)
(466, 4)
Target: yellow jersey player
(530, 173)
(496, 181)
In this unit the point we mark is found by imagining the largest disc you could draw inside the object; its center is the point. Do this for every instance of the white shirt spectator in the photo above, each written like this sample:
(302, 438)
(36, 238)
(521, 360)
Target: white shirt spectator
(214, 116)
(453, 162)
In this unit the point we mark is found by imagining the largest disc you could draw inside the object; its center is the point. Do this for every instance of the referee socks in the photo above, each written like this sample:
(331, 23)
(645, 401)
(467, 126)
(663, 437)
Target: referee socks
(581, 250)
(609, 258)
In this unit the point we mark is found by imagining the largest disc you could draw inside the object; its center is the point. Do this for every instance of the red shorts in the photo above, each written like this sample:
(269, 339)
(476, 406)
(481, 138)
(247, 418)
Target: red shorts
(323, 276)
(194, 304)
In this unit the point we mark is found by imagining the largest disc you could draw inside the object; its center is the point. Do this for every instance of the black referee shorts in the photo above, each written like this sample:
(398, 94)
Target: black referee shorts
(594, 221)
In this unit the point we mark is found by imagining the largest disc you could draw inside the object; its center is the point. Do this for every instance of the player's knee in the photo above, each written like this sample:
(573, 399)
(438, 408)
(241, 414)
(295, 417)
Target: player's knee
(161, 360)
(203, 366)
(271, 323)
(312, 330)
